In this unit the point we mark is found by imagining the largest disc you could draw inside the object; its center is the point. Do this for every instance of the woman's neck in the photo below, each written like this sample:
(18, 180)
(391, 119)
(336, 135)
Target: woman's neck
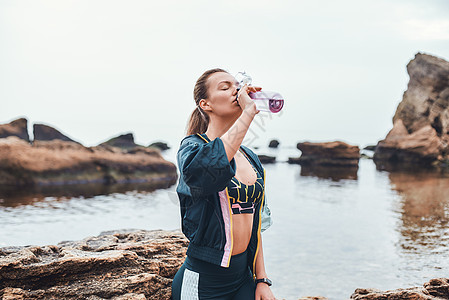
(217, 127)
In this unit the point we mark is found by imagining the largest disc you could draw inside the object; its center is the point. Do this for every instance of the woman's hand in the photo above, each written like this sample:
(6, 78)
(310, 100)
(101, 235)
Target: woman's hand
(245, 102)
(263, 292)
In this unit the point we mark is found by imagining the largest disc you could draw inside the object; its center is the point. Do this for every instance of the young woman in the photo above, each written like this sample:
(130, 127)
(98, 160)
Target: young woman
(222, 197)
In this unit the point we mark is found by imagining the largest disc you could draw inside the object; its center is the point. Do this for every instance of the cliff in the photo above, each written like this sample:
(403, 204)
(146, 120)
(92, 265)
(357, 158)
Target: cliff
(420, 133)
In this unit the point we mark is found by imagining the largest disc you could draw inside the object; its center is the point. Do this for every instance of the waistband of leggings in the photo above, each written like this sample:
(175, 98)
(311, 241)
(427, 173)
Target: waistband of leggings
(238, 264)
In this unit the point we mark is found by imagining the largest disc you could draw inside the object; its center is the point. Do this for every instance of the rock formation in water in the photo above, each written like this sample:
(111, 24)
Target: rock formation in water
(273, 144)
(124, 141)
(420, 134)
(54, 159)
(125, 264)
(18, 128)
(435, 289)
(61, 162)
(44, 132)
(327, 154)
(160, 145)
(266, 159)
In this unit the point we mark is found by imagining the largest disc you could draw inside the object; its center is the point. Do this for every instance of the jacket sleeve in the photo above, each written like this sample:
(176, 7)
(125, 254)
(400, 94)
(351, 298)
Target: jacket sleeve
(204, 167)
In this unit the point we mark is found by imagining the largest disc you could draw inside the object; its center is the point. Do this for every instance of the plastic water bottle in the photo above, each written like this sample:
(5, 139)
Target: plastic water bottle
(264, 100)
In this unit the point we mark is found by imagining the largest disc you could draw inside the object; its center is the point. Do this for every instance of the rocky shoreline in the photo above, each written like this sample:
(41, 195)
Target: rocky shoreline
(124, 264)
(128, 264)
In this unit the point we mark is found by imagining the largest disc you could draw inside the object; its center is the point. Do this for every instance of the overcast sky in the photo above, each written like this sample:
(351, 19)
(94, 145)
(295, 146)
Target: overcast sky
(96, 69)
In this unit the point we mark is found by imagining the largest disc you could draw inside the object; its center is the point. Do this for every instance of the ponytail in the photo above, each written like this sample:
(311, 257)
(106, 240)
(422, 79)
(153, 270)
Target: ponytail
(198, 122)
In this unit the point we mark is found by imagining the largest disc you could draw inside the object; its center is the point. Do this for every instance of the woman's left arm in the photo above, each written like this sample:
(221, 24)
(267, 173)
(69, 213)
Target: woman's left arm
(263, 291)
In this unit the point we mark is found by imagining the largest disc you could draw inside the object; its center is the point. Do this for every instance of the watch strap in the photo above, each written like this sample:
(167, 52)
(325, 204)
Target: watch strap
(264, 280)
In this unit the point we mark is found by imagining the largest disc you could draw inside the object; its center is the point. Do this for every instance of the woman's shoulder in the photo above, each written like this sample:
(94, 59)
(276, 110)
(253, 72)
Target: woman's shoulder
(190, 138)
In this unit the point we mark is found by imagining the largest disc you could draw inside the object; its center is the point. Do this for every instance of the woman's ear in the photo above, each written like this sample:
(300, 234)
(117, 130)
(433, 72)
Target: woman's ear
(204, 105)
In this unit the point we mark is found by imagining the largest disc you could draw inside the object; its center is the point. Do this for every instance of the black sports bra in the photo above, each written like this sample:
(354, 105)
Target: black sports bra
(241, 196)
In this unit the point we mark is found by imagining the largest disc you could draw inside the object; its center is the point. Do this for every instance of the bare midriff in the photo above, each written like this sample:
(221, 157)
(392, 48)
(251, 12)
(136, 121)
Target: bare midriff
(242, 224)
(241, 230)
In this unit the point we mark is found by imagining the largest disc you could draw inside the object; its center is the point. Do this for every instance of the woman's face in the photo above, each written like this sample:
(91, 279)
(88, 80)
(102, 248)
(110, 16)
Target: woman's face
(222, 95)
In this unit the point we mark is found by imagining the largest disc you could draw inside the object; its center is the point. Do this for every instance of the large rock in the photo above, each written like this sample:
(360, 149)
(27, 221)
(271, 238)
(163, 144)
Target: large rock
(273, 144)
(160, 145)
(420, 133)
(435, 289)
(125, 264)
(266, 159)
(123, 141)
(18, 128)
(44, 132)
(61, 162)
(335, 153)
(420, 148)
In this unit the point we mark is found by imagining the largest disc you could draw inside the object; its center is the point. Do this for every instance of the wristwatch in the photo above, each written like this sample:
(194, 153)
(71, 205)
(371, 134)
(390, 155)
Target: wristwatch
(264, 280)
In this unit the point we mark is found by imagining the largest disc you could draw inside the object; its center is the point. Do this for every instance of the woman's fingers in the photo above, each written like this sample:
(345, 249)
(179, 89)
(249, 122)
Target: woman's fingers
(254, 88)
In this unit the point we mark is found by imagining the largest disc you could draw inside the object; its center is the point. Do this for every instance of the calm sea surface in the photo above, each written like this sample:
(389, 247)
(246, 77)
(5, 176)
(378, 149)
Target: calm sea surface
(331, 232)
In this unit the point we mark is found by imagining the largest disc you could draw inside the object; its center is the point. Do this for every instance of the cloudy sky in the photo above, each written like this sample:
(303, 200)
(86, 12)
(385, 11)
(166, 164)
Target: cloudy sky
(95, 69)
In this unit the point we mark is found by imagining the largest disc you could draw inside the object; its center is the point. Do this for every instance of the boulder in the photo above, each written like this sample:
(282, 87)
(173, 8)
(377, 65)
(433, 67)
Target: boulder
(420, 133)
(44, 132)
(267, 159)
(123, 141)
(273, 144)
(160, 145)
(61, 162)
(123, 264)
(335, 153)
(18, 128)
(437, 288)
(420, 148)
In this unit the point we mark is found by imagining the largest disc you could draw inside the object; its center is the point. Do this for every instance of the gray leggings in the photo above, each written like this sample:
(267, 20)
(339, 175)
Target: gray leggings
(198, 279)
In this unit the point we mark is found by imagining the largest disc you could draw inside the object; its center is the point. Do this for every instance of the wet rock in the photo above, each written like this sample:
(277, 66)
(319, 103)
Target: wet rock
(437, 288)
(160, 145)
(420, 133)
(124, 264)
(273, 144)
(18, 128)
(124, 141)
(62, 162)
(267, 159)
(420, 148)
(335, 153)
(44, 132)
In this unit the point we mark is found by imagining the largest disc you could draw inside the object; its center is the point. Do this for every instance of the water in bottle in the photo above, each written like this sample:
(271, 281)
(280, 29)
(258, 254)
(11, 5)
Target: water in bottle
(267, 101)
(264, 100)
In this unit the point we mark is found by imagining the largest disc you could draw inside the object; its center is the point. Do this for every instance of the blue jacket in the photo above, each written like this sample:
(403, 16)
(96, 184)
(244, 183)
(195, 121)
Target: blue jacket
(205, 208)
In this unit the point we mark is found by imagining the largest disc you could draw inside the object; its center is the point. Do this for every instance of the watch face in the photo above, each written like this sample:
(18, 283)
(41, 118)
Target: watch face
(269, 281)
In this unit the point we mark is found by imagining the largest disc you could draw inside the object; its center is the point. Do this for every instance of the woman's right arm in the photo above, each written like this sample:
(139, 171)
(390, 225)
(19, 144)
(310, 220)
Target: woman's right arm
(232, 139)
